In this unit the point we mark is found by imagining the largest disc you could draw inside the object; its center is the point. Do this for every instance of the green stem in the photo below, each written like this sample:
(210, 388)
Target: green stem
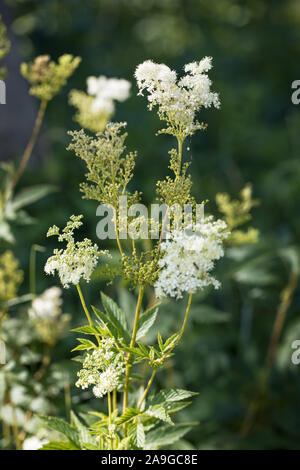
(119, 243)
(30, 145)
(84, 305)
(168, 352)
(182, 327)
(147, 388)
(86, 310)
(179, 151)
(132, 343)
(109, 407)
(114, 400)
(109, 420)
(32, 267)
(180, 142)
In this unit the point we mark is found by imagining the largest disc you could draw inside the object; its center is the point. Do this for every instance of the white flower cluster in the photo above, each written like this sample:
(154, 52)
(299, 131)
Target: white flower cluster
(188, 258)
(78, 260)
(106, 91)
(178, 100)
(48, 305)
(103, 368)
(33, 443)
(108, 381)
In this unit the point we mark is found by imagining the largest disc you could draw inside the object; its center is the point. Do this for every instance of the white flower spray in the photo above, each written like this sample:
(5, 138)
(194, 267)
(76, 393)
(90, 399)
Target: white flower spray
(188, 258)
(103, 368)
(47, 305)
(181, 264)
(178, 101)
(106, 91)
(78, 260)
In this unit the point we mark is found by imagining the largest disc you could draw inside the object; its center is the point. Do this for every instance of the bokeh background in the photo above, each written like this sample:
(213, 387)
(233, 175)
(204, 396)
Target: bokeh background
(254, 138)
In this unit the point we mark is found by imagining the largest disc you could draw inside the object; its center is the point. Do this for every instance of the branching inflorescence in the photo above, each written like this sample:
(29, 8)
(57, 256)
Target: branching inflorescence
(178, 264)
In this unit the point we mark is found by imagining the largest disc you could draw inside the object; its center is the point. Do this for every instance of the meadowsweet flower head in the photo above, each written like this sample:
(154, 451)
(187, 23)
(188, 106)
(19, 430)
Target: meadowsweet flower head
(107, 90)
(96, 107)
(10, 276)
(237, 212)
(47, 77)
(108, 381)
(109, 169)
(78, 260)
(102, 368)
(86, 118)
(188, 258)
(178, 101)
(46, 315)
(4, 46)
(33, 443)
(47, 305)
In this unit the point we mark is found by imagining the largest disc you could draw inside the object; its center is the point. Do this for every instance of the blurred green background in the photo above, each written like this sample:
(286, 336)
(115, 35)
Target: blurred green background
(254, 137)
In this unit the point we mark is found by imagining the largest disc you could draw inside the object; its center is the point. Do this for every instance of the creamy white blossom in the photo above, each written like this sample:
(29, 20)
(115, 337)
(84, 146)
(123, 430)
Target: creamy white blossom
(106, 91)
(109, 380)
(178, 101)
(188, 258)
(78, 260)
(102, 368)
(47, 305)
(33, 443)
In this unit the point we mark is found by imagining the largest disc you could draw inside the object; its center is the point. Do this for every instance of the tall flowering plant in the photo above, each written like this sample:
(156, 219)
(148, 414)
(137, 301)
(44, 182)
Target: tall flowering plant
(179, 263)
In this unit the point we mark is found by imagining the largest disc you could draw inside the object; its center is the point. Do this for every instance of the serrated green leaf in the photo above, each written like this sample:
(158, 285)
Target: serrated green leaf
(85, 436)
(63, 427)
(88, 446)
(136, 351)
(88, 330)
(175, 406)
(55, 445)
(158, 411)
(128, 415)
(86, 344)
(160, 341)
(169, 342)
(166, 435)
(147, 319)
(143, 349)
(113, 326)
(170, 395)
(140, 434)
(124, 443)
(116, 314)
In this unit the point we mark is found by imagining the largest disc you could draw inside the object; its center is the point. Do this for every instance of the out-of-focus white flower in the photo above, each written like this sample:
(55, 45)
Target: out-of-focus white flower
(33, 443)
(106, 91)
(188, 258)
(46, 315)
(178, 101)
(78, 260)
(47, 305)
